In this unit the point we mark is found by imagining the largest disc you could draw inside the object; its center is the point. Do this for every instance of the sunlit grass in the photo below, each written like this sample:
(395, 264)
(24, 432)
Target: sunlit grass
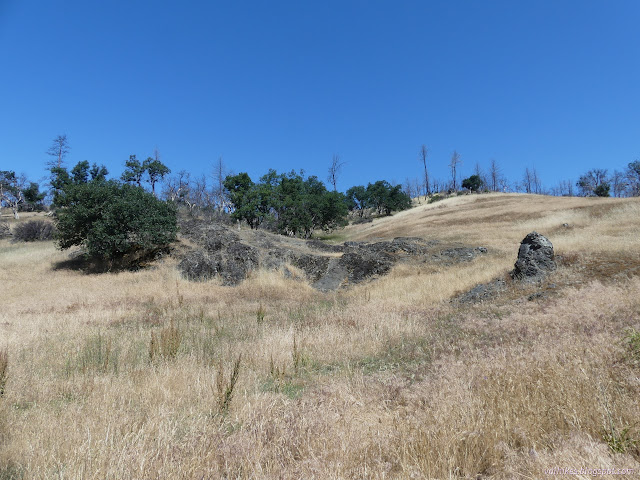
(388, 379)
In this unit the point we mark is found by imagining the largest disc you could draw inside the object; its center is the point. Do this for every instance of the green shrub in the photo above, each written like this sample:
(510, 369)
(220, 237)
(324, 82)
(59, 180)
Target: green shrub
(115, 221)
(34, 230)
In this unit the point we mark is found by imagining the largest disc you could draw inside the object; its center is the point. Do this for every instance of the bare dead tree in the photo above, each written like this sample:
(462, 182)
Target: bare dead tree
(219, 174)
(453, 165)
(199, 195)
(58, 150)
(11, 191)
(176, 187)
(527, 181)
(423, 158)
(334, 170)
(537, 183)
(619, 183)
(477, 170)
(494, 175)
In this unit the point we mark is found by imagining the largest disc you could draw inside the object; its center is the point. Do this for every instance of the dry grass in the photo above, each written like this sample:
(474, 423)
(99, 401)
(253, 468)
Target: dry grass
(138, 375)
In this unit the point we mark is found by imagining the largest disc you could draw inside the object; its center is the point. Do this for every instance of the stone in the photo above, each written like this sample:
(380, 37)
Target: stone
(535, 258)
(231, 256)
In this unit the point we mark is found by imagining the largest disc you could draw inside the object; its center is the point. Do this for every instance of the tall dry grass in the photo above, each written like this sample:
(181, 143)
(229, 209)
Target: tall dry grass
(272, 379)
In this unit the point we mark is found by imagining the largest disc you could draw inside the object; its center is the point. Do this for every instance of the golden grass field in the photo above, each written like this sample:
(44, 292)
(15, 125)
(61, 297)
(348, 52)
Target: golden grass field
(131, 375)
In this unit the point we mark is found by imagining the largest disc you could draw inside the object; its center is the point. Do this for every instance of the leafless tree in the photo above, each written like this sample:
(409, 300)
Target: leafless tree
(591, 182)
(537, 183)
(334, 170)
(453, 165)
(633, 178)
(11, 191)
(564, 189)
(408, 188)
(58, 150)
(199, 196)
(424, 151)
(529, 180)
(480, 173)
(437, 186)
(619, 183)
(495, 174)
(219, 174)
(176, 187)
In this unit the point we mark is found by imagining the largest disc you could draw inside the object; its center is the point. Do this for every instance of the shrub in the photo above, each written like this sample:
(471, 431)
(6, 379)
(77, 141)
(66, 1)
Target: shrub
(34, 230)
(115, 221)
(473, 183)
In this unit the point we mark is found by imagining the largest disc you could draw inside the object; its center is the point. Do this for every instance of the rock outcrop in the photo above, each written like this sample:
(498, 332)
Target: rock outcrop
(535, 258)
(232, 255)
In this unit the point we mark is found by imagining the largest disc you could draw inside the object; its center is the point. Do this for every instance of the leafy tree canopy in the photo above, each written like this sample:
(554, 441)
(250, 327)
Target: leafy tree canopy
(473, 183)
(112, 220)
(381, 196)
(109, 219)
(292, 203)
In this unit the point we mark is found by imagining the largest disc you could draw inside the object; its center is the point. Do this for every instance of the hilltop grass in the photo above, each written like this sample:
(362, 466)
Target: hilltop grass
(272, 379)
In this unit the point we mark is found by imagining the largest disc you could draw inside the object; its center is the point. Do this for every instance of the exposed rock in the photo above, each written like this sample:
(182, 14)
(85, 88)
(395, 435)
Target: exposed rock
(232, 265)
(360, 266)
(239, 260)
(198, 265)
(231, 256)
(482, 292)
(535, 258)
(314, 266)
(333, 278)
(461, 253)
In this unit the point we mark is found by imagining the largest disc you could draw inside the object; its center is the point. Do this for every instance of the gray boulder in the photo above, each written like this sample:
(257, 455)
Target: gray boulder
(535, 258)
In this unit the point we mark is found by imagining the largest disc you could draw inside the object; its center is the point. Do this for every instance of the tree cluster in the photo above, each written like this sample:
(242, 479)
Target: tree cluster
(290, 203)
(599, 183)
(151, 170)
(381, 197)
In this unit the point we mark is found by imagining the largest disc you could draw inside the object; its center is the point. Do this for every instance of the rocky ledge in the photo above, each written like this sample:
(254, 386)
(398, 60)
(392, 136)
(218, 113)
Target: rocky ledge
(231, 254)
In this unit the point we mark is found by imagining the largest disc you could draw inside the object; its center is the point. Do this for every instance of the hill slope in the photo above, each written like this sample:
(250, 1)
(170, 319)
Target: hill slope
(131, 374)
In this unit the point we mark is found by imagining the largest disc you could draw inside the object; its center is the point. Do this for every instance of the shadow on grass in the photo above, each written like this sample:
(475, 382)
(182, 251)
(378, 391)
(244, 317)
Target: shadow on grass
(80, 262)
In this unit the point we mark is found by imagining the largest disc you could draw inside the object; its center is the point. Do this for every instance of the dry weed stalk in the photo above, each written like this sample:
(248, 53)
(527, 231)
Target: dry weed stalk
(260, 313)
(4, 363)
(224, 390)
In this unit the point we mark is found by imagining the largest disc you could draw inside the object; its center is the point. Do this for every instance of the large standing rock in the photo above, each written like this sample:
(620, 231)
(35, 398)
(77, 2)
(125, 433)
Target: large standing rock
(535, 258)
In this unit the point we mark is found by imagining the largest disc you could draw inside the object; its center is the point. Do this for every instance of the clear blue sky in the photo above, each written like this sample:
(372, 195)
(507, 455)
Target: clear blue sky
(286, 84)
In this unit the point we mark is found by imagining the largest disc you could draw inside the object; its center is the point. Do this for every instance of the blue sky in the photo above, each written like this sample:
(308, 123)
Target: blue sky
(286, 84)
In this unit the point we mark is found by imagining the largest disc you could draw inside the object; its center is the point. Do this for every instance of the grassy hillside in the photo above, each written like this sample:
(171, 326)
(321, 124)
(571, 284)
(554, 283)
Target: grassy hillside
(130, 375)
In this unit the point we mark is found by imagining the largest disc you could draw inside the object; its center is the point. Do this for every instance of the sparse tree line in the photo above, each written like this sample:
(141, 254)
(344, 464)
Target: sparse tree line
(595, 182)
